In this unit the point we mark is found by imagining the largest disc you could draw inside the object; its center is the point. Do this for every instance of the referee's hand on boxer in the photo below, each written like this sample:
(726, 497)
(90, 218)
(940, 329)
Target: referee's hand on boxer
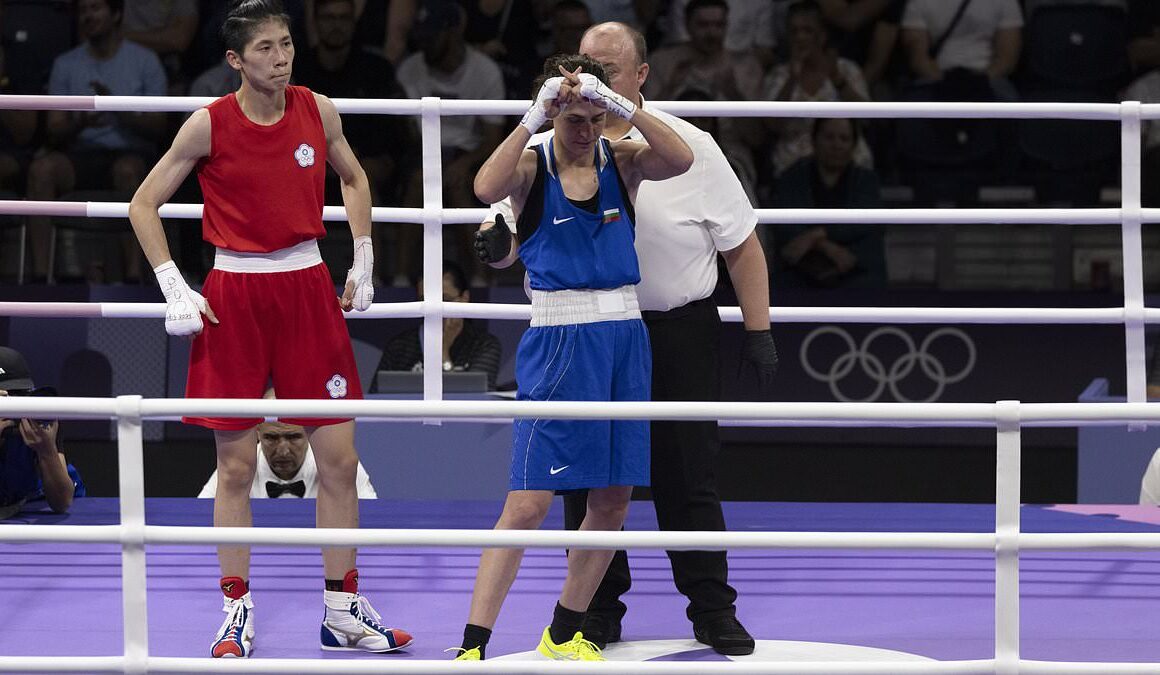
(494, 243)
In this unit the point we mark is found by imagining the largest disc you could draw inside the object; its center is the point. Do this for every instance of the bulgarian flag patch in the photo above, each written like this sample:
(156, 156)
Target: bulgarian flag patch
(611, 215)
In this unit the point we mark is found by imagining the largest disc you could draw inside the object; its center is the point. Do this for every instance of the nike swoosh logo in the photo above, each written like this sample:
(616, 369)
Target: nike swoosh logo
(557, 221)
(553, 470)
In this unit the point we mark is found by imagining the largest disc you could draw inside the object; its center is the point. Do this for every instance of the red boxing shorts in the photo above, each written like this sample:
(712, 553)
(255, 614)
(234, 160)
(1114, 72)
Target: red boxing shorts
(284, 326)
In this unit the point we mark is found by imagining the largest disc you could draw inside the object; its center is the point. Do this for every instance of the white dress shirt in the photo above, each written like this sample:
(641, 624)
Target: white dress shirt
(1150, 483)
(681, 222)
(307, 473)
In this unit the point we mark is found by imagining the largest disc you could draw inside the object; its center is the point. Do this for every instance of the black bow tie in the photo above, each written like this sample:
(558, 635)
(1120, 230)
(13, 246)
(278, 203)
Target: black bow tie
(275, 490)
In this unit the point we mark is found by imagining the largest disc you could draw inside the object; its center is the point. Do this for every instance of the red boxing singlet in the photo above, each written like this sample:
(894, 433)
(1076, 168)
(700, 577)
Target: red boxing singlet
(264, 185)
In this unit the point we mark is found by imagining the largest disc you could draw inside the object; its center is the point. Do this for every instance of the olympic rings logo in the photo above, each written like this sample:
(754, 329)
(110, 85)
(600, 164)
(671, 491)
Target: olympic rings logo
(883, 377)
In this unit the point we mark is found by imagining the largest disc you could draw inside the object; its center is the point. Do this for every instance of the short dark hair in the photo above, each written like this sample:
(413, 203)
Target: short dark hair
(819, 122)
(806, 7)
(695, 5)
(458, 277)
(569, 61)
(115, 6)
(319, 4)
(576, 5)
(244, 18)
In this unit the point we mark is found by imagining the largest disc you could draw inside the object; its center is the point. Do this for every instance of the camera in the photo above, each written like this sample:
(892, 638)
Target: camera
(35, 391)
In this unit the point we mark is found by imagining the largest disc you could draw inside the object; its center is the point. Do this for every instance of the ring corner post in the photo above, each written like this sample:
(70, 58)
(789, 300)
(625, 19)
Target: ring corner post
(1007, 502)
(131, 475)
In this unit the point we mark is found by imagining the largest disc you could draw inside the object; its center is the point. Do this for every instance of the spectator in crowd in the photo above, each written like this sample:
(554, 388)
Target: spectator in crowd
(640, 14)
(815, 72)
(1144, 22)
(216, 81)
(984, 40)
(560, 23)
(570, 18)
(866, 32)
(32, 467)
(286, 465)
(337, 67)
(750, 28)
(1146, 89)
(703, 60)
(95, 150)
(828, 256)
(370, 19)
(167, 28)
(467, 346)
(450, 68)
(501, 29)
(17, 129)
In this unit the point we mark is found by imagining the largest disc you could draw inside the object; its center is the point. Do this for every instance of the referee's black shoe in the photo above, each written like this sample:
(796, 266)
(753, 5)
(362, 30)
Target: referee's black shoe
(725, 635)
(600, 629)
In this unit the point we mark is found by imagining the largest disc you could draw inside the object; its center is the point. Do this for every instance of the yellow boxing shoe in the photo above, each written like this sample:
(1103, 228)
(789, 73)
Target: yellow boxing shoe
(576, 649)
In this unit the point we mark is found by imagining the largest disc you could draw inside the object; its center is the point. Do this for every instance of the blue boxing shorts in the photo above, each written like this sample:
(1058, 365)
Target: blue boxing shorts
(598, 361)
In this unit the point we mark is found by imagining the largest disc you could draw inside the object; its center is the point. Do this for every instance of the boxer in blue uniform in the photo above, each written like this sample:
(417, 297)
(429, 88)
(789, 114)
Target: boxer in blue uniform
(573, 199)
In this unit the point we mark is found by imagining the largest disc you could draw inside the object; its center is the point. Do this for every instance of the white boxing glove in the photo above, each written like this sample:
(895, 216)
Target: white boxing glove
(600, 94)
(183, 305)
(536, 115)
(360, 273)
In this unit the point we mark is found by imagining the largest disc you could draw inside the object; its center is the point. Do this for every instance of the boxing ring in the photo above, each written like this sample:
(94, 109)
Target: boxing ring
(939, 549)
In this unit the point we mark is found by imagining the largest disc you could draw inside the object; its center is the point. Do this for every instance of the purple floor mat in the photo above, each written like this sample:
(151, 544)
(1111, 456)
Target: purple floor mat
(1076, 606)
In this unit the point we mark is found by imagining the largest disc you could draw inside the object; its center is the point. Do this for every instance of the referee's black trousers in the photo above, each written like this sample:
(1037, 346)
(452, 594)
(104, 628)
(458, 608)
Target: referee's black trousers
(686, 367)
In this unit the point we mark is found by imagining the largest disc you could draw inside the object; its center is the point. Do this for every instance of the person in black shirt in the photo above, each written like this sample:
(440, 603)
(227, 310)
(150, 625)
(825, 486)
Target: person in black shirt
(829, 255)
(339, 68)
(466, 345)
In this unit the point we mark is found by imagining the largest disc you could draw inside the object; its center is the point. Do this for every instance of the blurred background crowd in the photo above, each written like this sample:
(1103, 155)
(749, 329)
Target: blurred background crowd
(702, 50)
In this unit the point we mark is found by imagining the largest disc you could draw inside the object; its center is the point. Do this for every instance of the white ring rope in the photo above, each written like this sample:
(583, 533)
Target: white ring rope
(1007, 417)
(1078, 111)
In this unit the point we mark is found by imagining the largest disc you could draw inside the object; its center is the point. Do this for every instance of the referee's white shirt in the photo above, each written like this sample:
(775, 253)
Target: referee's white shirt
(1150, 483)
(307, 473)
(681, 222)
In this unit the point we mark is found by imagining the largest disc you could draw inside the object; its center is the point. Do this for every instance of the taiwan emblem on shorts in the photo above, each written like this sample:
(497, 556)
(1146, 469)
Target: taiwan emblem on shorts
(336, 385)
(305, 155)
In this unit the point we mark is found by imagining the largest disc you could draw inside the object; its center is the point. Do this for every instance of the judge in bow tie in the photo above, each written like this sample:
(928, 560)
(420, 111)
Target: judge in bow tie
(286, 466)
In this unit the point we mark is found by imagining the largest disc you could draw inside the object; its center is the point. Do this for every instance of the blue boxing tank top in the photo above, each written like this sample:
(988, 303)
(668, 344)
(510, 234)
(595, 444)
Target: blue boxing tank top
(569, 244)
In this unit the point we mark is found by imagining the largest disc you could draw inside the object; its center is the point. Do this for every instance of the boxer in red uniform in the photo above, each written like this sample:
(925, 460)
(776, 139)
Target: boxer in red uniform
(269, 303)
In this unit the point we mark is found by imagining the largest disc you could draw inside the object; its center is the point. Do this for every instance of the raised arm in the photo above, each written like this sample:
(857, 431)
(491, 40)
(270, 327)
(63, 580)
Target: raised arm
(511, 167)
(666, 154)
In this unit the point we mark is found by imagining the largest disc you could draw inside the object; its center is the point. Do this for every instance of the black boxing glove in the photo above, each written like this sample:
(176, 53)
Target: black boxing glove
(759, 350)
(495, 243)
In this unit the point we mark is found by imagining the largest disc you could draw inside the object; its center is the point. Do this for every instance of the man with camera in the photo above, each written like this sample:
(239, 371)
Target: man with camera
(32, 467)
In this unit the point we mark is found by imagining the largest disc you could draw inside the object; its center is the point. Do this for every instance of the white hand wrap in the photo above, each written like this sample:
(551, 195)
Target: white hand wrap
(183, 305)
(536, 115)
(592, 89)
(360, 273)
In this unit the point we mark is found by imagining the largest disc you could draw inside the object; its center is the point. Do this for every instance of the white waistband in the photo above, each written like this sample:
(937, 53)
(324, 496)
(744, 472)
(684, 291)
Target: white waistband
(296, 257)
(559, 308)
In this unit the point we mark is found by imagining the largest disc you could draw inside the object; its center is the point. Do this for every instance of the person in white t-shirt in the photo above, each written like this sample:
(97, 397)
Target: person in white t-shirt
(448, 67)
(682, 224)
(986, 39)
(286, 466)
